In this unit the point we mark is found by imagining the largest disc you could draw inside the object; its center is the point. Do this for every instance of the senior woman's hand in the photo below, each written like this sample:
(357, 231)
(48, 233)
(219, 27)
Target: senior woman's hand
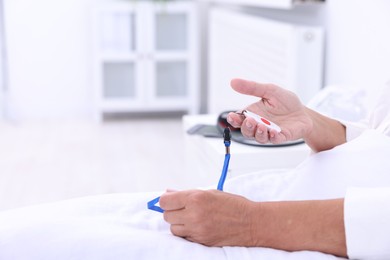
(216, 218)
(286, 110)
(276, 104)
(211, 217)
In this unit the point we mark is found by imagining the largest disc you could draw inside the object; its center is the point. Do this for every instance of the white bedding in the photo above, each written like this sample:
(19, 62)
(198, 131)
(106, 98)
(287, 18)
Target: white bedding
(118, 226)
(113, 226)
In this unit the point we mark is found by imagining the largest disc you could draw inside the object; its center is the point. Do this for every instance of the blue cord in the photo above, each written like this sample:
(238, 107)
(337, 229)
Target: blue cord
(152, 205)
(227, 137)
(224, 172)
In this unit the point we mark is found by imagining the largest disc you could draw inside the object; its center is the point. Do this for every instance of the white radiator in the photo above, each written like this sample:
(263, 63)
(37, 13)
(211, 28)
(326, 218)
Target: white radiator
(262, 50)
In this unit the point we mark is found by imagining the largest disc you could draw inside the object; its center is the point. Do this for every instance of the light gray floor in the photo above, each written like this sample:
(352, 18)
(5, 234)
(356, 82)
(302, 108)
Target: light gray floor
(44, 162)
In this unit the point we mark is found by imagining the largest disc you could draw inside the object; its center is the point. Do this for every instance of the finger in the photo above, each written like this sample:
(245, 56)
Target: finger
(179, 230)
(235, 120)
(277, 138)
(272, 133)
(252, 88)
(262, 135)
(248, 127)
(170, 190)
(174, 217)
(173, 200)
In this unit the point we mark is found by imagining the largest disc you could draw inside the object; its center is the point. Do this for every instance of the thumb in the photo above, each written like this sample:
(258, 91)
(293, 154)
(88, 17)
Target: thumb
(252, 88)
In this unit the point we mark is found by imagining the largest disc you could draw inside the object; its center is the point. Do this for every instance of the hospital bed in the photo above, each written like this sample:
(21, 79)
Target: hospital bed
(119, 226)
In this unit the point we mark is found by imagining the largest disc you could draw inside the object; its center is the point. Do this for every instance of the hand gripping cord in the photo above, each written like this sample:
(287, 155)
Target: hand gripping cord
(227, 141)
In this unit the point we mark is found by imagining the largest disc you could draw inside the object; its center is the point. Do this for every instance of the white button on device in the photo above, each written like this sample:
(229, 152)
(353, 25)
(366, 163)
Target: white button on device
(261, 120)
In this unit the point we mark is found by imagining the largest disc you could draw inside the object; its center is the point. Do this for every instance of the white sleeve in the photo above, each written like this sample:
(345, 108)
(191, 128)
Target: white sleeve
(378, 118)
(353, 130)
(367, 223)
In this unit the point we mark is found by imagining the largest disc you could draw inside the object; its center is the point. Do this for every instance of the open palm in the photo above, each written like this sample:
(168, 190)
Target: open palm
(276, 104)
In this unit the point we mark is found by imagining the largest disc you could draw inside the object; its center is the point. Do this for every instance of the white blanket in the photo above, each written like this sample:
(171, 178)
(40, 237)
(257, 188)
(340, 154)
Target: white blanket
(118, 226)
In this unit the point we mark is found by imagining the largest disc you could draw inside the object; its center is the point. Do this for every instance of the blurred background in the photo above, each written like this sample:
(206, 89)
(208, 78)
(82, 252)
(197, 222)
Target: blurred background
(93, 92)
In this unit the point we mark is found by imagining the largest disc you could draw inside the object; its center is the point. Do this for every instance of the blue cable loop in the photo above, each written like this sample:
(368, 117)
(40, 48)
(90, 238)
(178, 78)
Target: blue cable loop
(227, 141)
(152, 205)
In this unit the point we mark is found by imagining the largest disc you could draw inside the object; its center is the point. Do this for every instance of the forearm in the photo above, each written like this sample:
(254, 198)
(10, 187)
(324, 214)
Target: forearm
(326, 132)
(300, 225)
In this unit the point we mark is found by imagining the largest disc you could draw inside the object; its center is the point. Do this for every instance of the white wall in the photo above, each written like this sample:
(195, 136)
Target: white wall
(48, 48)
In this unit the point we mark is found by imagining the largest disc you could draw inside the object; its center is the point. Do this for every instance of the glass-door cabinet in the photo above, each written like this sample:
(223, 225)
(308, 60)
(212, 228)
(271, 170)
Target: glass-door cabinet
(146, 57)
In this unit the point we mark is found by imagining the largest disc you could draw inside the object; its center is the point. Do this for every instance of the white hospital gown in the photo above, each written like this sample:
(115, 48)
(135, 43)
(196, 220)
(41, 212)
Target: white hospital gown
(367, 210)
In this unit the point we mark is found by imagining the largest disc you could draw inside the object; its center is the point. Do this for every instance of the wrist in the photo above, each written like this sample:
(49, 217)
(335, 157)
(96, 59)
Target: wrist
(310, 131)
(325, 132)
(258, 225)
(300, 225)
(249, 225)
